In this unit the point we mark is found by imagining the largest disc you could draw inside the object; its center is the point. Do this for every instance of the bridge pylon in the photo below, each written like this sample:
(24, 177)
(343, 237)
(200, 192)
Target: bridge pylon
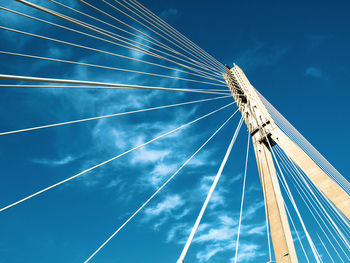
(265, 134)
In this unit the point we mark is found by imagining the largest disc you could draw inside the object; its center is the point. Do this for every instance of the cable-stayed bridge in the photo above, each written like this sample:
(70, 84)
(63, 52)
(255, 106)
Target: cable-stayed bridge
(306, 200)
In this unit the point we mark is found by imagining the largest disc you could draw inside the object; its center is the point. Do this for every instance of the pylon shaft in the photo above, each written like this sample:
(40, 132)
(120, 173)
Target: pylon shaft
(278, 222)
(265, 132)
(259, 124)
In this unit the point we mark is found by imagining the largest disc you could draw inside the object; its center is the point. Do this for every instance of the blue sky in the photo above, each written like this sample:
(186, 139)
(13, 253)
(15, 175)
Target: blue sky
(296, 54)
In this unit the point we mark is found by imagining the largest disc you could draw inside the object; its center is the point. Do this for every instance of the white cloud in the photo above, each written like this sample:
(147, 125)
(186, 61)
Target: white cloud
(26, 24)
(217, 198)
(119, 138)
(212, 250)
(114, 183)
(261, 55)
(236, 178)
(171, 12)
(58, 52)
(219, 234)
(248, 252)
(203, 158)
(216, 234)
(316, 40)
(160, 171)
(170, 203)
(224, 230)
(171, 207)
(178, 232)
(257, 230)
(56, 162)
(253, 187)
(117, 134)
(203, 226)
(144, 155)
(89, 179)
(313, 72)
(227, 221)
(216, 237)
(144, 45)
(253, 209)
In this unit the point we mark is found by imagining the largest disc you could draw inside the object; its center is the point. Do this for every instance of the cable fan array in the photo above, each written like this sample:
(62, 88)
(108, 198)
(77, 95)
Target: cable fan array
(125, 47)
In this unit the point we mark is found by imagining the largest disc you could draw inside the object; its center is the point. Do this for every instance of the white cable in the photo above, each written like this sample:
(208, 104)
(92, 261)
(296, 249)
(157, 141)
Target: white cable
(312, 189)
(294, 135)
(97, 30)
(344, 221)
(218, 90)
(96, 84)
(210, 193)
(196, 63)
(105, 67)
(131, 17)
(155, 20)
(102, 51)
(127, 25)
(328, 217)
(325, 248)
(111, 159)
(296, 232)
(89, 35)
(183, 43)
(115, 27)
(105, 87)
(158, 190)
(109, 115)
(165, 25)
(338, 178)
(242, 200)
(338, 216)
(300, 140)
(289, 194)
(205, 91)
(299, 186)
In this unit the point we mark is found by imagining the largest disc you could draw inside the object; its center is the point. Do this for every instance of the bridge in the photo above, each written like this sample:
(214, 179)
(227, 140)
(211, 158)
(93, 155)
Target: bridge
(141, 59)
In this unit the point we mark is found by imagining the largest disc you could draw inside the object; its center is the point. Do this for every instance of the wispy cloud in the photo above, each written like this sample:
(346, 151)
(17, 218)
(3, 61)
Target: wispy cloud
(168, 13)
(257, 230)
(160, 171)
(166, 206)
(224, 231)
(212, 250)
(21, 22)
(249, 252)
(56, 162)
(217, 197)
(253, 209)
(146, 155)
(316, 40)
(177, 230)
(261, 55)
(172, 206)
(313, 72)
(236, 178)
(253, 187)
(219, 236)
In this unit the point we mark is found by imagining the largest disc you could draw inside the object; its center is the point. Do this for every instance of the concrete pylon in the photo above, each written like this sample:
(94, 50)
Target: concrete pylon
(264, 133)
